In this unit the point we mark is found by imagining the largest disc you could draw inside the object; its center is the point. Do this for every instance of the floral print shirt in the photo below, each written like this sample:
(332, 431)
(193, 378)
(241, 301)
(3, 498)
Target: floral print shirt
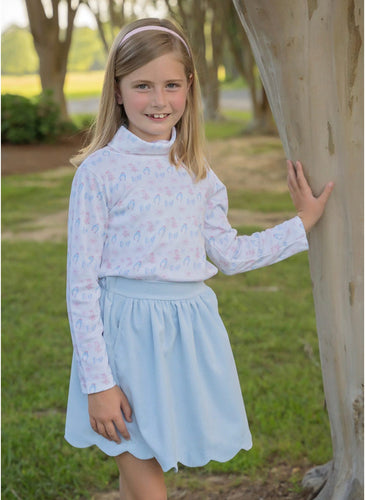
(133, 214)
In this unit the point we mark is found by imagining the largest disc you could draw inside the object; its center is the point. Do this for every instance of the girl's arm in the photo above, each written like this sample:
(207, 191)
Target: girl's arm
(88, 218)
(234, 254)
(309, 208)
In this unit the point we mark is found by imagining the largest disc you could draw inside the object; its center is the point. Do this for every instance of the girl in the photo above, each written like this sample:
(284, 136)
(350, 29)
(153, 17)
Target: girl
(153, 380)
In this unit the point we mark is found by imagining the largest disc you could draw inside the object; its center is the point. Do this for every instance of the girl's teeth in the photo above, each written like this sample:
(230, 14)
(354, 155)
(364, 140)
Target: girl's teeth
(159, 116)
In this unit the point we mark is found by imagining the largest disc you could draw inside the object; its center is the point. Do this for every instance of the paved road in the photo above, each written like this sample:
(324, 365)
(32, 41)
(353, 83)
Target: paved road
(230, 99)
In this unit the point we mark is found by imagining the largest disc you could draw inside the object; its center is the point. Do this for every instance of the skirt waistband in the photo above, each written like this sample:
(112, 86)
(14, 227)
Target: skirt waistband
(159, 290)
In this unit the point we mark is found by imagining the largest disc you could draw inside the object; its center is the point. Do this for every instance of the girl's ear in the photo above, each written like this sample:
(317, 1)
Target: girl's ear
(118, 93)
(190, 80)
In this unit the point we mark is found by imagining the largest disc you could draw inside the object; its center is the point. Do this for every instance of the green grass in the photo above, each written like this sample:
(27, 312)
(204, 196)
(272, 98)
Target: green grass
(260, 201)
(26, 197)
(268, 313)
(232, 125)
(77, 85)
(236, 84)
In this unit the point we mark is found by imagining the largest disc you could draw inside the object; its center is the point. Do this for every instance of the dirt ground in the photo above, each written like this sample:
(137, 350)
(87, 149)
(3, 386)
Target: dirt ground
(276, 486)
(255, 163)
(27, 158)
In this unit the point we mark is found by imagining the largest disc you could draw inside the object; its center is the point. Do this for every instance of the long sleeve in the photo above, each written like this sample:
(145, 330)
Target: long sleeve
(88, 214)
(236, 254)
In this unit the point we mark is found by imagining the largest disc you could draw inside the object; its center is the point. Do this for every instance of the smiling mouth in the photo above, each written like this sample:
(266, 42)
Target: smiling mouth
(158, 116)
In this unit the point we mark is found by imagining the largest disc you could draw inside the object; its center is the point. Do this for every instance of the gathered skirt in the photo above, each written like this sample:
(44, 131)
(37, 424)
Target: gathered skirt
(169, 352)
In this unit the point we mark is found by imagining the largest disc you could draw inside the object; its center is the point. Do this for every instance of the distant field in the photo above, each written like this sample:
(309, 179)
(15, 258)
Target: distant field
(77, 85)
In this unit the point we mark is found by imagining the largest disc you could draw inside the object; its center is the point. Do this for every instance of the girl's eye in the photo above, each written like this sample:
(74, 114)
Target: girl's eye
(172, 85)
(142, 86)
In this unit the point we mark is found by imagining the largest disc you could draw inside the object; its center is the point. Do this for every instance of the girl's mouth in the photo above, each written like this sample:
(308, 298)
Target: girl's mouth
(158, 116)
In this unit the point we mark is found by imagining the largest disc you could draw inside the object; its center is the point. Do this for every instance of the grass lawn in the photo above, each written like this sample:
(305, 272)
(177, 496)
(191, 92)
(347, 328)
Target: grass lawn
(77, 85)
(268, 313)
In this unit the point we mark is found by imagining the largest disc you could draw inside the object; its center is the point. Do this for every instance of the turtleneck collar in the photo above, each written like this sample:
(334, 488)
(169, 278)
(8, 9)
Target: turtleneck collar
(125, 141)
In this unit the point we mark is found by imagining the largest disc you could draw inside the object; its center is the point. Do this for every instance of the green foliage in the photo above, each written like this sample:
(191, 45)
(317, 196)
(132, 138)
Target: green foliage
(19, 119)
(29, 120)
(48, 115)
(86, 52)
(83, 121)
(18, 56)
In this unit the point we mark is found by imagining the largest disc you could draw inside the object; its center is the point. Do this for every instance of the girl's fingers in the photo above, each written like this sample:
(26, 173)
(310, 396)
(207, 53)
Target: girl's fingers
(100, 429)
(126, 408)
(112, 433)
(105, 411)
(292, 178)
(93, 424)
(323, 197)
(291, 169)
(108, 430)
(301, 180)
(120, 425)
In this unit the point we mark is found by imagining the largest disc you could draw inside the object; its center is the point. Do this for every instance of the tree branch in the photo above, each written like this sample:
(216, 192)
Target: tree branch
(99, 24)
(37, 17)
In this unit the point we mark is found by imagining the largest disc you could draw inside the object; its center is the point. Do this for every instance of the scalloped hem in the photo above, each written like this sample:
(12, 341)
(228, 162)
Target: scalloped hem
(165, 465)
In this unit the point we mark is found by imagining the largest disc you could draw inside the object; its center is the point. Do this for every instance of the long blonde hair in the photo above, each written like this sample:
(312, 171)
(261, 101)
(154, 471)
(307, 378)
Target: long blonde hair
(136, 51)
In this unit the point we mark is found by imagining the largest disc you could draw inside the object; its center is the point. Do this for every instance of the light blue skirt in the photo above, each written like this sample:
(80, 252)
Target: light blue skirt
(170, 353)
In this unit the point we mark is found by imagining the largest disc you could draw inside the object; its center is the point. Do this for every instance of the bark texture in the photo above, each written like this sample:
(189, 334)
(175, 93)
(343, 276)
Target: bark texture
(310, 56)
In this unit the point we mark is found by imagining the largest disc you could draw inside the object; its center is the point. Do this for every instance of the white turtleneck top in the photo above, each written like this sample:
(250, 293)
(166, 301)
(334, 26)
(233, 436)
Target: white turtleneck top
(133, 214)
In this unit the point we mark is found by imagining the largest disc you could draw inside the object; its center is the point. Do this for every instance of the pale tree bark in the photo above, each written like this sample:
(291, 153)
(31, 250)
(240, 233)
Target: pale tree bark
(310, 57)
(52, 46)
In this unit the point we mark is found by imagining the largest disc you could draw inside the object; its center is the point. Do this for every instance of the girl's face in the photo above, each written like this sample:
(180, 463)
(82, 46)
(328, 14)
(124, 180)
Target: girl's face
(154, 97)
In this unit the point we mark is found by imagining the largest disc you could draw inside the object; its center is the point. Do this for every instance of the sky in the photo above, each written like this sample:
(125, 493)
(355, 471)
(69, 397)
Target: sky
(14, 12)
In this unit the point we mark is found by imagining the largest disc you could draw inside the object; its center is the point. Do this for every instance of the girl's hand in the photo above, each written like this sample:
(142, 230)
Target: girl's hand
(105, 412)
(309, 208)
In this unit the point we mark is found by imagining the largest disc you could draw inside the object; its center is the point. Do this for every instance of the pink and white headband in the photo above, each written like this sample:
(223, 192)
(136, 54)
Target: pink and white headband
(153, 28)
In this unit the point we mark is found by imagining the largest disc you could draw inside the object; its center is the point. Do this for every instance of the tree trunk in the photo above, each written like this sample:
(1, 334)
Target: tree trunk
(310, 59)
(262, 120)
(195, 17)
(52, 46)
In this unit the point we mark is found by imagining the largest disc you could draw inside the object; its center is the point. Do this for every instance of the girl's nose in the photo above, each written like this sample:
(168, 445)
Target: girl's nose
(158, 98)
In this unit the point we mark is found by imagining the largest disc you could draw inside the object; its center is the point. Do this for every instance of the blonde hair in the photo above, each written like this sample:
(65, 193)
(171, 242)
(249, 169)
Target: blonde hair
(128, 56)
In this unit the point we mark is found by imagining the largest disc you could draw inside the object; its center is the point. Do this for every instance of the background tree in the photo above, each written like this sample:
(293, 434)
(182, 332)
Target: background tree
(310, 58)
(212, 26)
(111, 15)
(262, 120)
(52, 45)
(203, 23)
